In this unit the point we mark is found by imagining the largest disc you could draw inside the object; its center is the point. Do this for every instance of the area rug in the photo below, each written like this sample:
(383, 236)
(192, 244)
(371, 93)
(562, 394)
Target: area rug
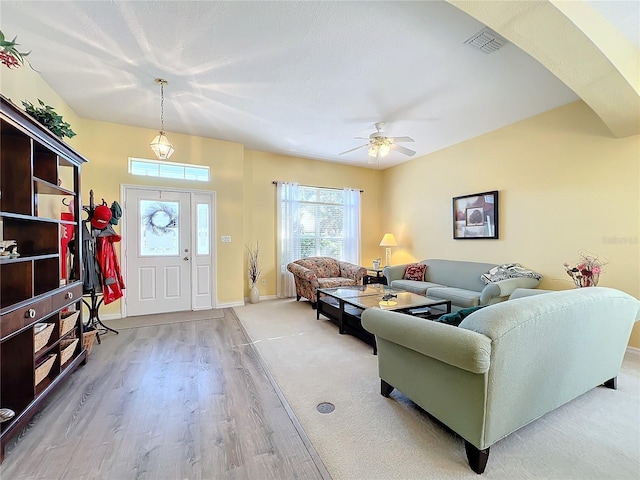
(162, 319)
(368, 436)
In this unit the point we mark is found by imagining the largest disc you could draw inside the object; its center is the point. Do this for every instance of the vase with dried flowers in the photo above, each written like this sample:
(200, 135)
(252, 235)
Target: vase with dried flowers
(253, 266)
(586, 272)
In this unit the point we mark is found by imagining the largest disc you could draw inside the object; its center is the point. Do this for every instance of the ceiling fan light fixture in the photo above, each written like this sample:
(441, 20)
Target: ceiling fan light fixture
(379, 147)
(384, 149)
(161, 145)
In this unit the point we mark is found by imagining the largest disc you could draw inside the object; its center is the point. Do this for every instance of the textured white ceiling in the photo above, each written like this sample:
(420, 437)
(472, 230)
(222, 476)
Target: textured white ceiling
(297, 78)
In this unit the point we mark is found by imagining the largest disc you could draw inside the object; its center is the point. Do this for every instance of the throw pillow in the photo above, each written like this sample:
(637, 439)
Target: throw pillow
(415, 271)
(455, 318)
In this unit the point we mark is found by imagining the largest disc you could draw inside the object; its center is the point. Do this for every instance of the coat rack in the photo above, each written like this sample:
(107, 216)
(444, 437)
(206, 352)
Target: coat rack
(92, 287)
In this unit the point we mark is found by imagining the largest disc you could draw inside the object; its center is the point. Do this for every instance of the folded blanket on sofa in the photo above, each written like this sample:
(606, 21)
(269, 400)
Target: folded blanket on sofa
(508, 270)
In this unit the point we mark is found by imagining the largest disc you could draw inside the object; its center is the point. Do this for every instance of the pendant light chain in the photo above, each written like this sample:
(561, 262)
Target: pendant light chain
(161, 145)
(162, 107)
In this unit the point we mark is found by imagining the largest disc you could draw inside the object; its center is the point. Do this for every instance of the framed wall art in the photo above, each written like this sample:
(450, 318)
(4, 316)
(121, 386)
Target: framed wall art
(475, 216)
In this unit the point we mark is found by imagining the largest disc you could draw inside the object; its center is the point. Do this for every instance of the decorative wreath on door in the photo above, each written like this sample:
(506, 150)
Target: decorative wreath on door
(160, 219)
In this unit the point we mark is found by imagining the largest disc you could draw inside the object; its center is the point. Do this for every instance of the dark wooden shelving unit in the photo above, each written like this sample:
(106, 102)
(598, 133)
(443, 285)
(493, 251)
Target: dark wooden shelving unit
(37, 169)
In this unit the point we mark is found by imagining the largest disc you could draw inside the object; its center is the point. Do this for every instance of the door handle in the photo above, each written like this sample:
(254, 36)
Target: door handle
(186, 259)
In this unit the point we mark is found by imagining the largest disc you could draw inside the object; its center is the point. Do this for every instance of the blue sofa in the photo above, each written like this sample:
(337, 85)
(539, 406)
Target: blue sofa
(457, 281)
(507, 364)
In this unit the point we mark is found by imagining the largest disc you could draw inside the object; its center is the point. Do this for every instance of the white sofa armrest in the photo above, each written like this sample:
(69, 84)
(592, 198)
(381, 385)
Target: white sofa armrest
(394, 272)
(498, 291)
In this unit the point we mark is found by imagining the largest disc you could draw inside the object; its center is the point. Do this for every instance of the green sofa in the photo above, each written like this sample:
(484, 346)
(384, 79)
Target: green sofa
(507, 364)
(457, 281)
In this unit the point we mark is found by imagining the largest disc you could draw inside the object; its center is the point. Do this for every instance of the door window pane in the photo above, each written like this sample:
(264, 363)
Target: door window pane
(159, 228)
(203, 229)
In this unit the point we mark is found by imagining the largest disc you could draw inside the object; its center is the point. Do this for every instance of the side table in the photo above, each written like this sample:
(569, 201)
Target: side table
(374, 276)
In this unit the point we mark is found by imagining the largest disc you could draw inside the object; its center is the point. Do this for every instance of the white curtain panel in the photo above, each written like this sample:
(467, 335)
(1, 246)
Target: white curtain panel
(351, 228)
(288, 196)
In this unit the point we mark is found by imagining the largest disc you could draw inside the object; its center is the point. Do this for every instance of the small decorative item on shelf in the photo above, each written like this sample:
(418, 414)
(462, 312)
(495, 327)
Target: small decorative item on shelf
(587, 272)
(9, 248)
(47, 116)
(9, 54)
(6, 414)
(376, 263)
(254, 272)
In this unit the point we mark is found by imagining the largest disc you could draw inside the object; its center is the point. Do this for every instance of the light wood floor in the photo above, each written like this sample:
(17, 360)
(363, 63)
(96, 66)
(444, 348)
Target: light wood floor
(181, 401)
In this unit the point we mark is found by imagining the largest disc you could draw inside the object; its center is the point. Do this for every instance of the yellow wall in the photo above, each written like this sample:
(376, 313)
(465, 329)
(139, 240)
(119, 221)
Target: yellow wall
(26, 84)
(108, 146)
(564, 185)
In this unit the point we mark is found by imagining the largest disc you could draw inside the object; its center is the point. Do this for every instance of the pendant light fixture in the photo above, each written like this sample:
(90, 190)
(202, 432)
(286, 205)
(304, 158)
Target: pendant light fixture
(161, 145)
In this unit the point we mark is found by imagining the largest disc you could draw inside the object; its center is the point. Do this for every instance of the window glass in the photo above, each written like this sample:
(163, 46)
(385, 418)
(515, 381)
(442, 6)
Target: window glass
(320, 223)
(159, 222)
(202, 218)
(178, 171)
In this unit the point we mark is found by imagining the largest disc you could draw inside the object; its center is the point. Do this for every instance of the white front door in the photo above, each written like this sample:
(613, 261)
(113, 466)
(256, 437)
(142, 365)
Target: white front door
(158, 251)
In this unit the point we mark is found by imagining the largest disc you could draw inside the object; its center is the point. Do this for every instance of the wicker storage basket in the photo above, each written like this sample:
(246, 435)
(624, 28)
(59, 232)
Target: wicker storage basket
(41, 338)
(68, 347)
(45, 367)
(68, 322)
(88, 338)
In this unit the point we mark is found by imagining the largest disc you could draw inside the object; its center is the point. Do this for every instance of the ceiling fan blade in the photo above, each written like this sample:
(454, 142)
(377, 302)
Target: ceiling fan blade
(402, 139)
(353, 149)
(404, 150)
(361, 138)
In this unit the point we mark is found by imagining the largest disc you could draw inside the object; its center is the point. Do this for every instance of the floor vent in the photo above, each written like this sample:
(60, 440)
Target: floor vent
(486, 40)
(326, 407)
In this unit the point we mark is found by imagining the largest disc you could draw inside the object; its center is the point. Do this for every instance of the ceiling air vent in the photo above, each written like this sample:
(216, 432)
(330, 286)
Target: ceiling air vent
(486, 40)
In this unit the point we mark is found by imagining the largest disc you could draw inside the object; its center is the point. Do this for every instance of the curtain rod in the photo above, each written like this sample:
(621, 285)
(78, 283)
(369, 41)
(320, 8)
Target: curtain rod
(275, 182)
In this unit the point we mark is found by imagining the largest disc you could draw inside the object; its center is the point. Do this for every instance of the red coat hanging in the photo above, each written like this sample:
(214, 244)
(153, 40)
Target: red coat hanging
(66, 234)
(112, 281)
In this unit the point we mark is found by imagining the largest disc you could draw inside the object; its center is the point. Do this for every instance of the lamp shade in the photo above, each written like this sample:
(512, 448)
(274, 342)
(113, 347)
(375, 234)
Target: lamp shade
(388, 240)
(161, 146)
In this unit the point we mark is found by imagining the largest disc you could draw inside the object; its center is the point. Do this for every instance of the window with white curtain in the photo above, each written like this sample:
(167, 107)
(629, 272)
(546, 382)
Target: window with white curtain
(316, 221)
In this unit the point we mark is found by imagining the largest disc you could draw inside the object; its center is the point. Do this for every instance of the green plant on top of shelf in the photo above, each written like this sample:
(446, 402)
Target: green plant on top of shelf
(47, 116)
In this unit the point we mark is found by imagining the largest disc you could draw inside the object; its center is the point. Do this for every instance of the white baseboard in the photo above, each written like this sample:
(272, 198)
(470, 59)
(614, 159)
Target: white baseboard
(110, 316)
(232, 304)
(633, 350)
(262, 297)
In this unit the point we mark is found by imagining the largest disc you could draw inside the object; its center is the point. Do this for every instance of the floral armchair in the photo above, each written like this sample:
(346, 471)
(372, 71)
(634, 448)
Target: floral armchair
(323, 272)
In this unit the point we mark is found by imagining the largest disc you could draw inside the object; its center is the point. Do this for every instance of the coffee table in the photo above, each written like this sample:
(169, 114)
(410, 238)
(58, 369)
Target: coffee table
(344, 306)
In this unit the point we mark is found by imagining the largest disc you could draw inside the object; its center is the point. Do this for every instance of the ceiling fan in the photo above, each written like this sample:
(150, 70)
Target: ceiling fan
(380, 145)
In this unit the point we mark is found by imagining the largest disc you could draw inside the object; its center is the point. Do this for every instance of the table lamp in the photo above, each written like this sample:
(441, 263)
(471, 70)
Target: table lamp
(388, 241)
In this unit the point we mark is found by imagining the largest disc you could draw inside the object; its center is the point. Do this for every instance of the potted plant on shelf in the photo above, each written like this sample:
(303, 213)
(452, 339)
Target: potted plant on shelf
(48, 117)
(254, 272)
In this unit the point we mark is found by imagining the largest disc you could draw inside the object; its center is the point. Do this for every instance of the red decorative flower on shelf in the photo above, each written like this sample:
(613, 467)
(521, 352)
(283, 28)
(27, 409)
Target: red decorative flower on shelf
(587, 272)
(9, 54)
